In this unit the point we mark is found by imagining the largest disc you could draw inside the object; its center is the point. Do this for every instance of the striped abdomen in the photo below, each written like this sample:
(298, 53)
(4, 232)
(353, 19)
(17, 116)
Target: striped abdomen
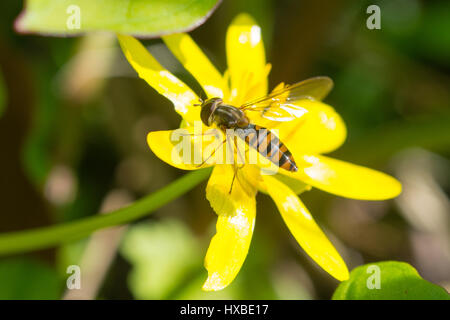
(269, 146)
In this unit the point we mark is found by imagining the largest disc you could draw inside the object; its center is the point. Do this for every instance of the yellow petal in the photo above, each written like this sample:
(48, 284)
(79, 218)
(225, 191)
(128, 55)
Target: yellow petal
(305, 230)
(346, 179)
(197, 63)
(159, 78)
(234, 229)
(322, 130)
(295, 185)
(246, 59)
(183, 148)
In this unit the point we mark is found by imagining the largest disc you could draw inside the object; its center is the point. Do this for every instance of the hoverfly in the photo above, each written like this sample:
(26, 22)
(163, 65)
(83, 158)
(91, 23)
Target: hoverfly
(280, 106)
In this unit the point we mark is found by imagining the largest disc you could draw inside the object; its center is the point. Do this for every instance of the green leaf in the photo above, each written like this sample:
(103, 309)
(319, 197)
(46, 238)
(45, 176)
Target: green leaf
(27, 279)
(388, 280)
(146, 18)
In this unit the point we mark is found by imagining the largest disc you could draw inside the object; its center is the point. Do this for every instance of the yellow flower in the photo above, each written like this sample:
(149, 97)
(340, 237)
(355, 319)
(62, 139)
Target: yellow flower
(319, 131)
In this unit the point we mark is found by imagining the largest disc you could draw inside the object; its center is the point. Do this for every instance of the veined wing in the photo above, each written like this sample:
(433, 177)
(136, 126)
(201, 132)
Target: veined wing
(280, 105)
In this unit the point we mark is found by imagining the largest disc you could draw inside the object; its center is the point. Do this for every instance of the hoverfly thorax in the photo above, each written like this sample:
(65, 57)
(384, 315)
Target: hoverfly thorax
(208, 108)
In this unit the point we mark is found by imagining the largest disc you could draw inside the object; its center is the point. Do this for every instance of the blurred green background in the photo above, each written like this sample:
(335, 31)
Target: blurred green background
(74, 119)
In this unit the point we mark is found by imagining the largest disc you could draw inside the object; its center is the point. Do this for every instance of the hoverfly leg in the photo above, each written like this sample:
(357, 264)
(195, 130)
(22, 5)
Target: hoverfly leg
(234, 177)
(245, 186)
(235, 166)
(240, 155)
(196, 135)
(212, 153)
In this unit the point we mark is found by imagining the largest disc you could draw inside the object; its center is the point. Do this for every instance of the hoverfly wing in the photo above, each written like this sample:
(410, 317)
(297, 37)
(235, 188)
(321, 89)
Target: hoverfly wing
(280, 112)
(316, 88)
(280, 105)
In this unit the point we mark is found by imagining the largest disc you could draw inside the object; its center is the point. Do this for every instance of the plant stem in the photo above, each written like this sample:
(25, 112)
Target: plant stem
(21, 241)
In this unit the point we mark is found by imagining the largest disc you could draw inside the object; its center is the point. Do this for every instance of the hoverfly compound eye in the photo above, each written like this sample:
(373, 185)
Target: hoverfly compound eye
(208, 108)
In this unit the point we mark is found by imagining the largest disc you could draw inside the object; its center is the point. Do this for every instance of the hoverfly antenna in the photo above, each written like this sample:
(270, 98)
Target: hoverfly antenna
(198, 104)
